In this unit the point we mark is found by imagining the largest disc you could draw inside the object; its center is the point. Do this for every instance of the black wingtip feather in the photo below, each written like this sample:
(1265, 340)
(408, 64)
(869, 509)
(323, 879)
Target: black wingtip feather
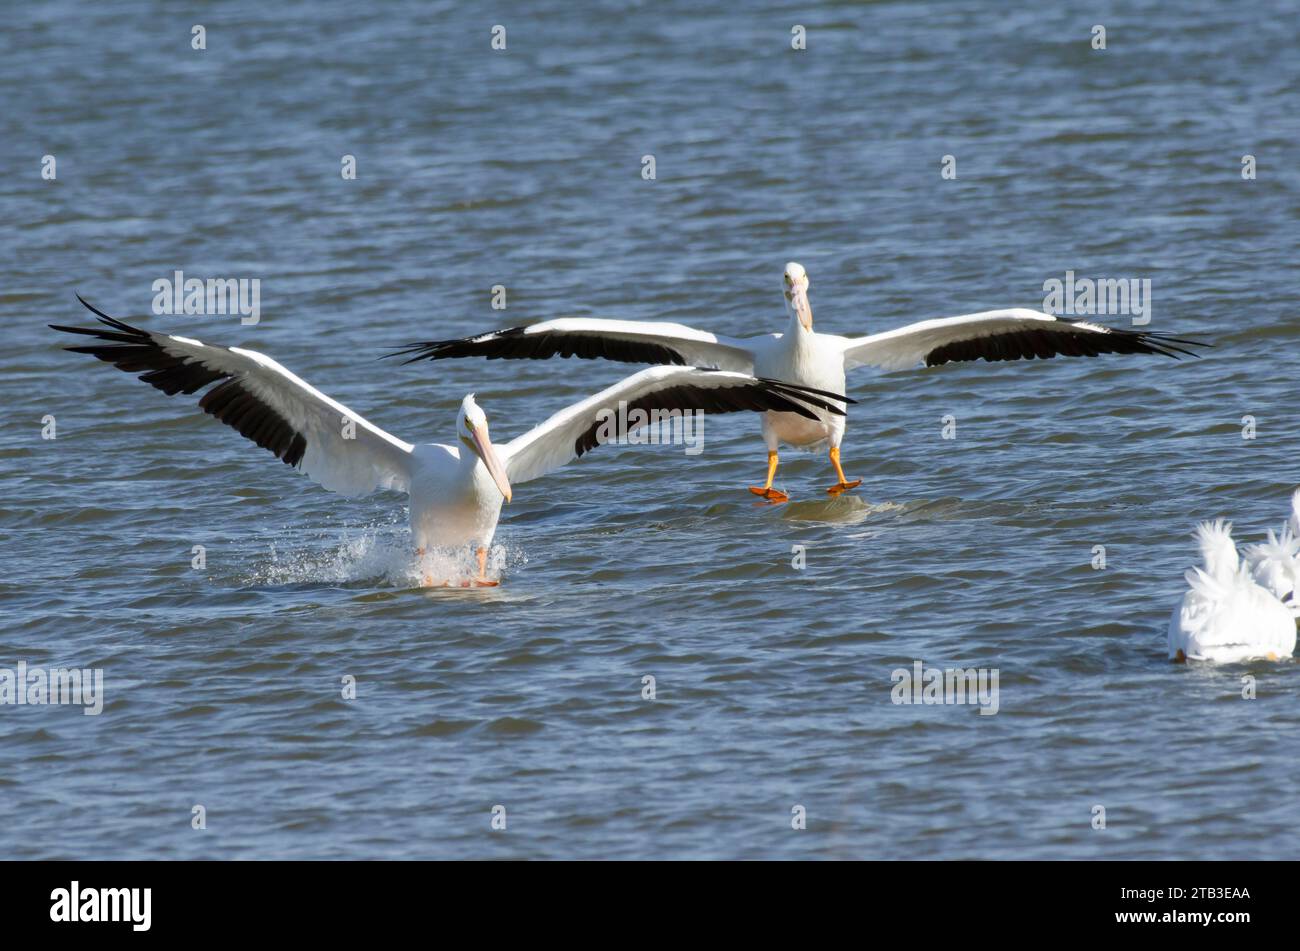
(808, 389)
(1066, 338)
(94, 310)
(514, 343)
(758, 395)
(136, 351)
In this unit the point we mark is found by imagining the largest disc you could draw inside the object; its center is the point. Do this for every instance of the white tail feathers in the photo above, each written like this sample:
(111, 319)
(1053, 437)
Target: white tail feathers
(1203, 585)
(1217, 549)
(1285, 546)
(1274, 565)
(1239, 608)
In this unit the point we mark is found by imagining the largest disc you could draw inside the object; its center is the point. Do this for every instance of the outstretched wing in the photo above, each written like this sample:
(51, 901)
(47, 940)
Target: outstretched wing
(262, 400)
(1015, 334)
(626, 341)
(576, 429)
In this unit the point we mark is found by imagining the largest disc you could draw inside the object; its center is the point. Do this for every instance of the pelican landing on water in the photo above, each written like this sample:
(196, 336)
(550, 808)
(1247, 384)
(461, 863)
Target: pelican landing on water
(456, 491)
(805, 357)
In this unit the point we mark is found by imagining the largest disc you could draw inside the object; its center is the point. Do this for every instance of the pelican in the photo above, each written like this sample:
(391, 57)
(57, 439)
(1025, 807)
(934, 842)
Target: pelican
(1225, 616)
(456, 491)
(1275, 564)
(801, 355)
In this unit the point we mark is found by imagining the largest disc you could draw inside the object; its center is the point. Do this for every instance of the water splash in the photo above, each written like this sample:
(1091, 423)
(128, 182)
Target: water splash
(377, 555)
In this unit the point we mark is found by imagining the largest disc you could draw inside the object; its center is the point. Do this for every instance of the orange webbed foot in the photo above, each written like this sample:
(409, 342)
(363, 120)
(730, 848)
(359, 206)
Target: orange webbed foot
(839, 487)
(771, 495)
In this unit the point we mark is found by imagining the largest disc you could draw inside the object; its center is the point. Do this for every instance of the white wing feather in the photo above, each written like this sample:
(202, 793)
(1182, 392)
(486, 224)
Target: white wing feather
(343, 452)
(909, 346)
(553, 442)
(591, 337)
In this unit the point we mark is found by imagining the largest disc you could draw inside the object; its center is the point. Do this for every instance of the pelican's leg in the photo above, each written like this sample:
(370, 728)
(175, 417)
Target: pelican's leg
(483, 581)
(844, 484)
(767, 492)
(426, 579)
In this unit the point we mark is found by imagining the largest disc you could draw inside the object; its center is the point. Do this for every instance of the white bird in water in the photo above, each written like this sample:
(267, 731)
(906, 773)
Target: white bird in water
(1275, 564)
(1225, 616)
(456, 491)
(803, 356)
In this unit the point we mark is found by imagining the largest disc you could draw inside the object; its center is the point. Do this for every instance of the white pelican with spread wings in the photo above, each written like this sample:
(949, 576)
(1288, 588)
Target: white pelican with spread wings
(456, 490)
(805, 357)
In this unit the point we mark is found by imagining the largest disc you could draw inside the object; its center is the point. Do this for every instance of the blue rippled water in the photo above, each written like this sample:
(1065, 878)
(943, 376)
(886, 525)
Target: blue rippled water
(523, 168)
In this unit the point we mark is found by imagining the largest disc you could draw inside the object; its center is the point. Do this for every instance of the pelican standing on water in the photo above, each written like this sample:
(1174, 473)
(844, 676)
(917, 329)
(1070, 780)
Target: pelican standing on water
(456, 491)
(805, 357)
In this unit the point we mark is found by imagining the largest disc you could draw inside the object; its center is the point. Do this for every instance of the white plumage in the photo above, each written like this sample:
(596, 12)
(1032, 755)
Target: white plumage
(802, 356)
(1225, 616)
(350, 460)
(456, 491)
(1275, 564)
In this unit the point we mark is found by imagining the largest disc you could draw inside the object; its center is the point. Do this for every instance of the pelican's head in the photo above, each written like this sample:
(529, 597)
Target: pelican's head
(473, 431)
(795, 285)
